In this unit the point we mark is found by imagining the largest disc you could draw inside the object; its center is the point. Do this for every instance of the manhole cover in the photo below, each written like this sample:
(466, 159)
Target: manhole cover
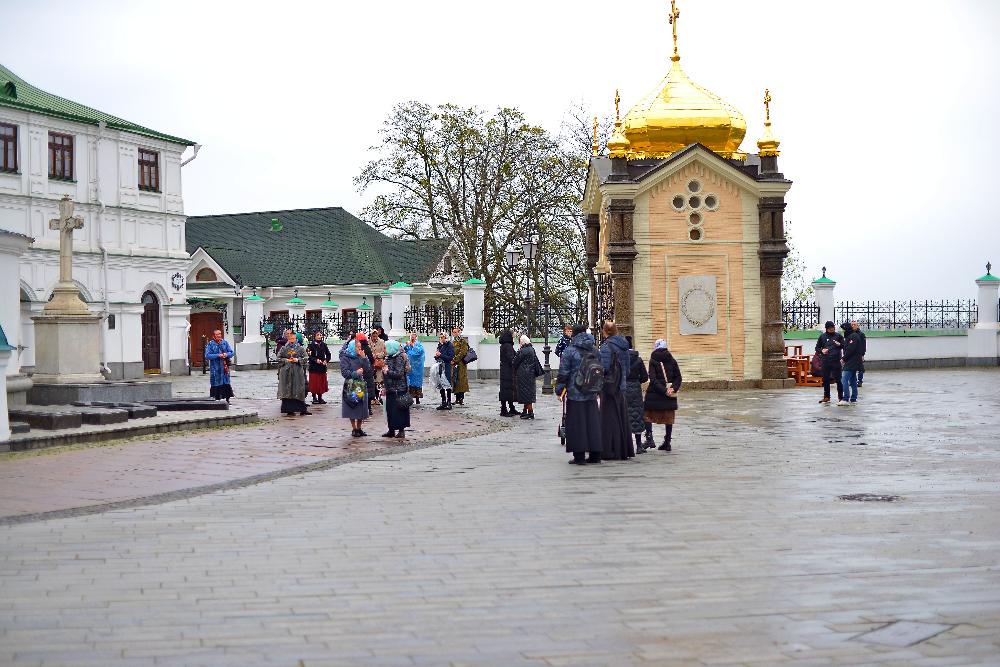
(903, 633)
(870, 498)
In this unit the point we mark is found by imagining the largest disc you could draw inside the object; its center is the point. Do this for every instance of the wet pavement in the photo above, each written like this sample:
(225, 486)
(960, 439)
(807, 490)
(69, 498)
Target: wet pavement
(734, 549)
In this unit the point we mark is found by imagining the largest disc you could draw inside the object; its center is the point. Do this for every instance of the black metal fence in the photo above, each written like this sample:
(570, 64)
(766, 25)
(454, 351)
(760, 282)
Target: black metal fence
(521, 319)
(889, 315)
(799, 315)
(432, 320)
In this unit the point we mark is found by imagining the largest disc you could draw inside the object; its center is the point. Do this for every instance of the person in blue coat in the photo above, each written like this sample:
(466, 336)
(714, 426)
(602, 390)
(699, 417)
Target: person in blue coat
(219, 355)
(615, 432)
(582, 417)
(415, 380)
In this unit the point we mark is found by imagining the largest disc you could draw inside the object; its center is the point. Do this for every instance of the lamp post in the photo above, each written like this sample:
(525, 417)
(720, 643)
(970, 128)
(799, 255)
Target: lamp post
(529, 248)
(546, 350)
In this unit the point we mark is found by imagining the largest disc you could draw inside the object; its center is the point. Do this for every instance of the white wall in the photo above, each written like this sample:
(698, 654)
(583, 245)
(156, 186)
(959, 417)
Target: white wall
(901, 348)
(142, 232)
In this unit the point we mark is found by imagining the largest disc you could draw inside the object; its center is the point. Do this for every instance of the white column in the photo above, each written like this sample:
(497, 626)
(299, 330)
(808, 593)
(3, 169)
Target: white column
(385, 308)
(12, 246)
(250, 351)
(474, 298)
(296, 307)
(5, 358)
(400, 302)
(823, 287)
(984, 338)
(178, 326)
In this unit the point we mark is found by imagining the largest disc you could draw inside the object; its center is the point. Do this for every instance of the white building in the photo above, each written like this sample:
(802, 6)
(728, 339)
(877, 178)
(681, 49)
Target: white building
(130, 258)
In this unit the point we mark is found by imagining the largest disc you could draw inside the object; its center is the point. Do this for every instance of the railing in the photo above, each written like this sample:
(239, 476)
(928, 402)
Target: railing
(518, 318)
(431, 320)
(605, 303)
(799, 315)
(889, 315)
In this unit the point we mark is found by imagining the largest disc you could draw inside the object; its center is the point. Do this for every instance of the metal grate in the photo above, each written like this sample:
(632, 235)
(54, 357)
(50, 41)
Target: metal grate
(431, 320)
(889, 315)
(799, 315)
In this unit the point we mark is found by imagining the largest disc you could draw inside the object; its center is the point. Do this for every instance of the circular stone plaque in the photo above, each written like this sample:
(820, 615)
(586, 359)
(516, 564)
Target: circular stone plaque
(697, 306)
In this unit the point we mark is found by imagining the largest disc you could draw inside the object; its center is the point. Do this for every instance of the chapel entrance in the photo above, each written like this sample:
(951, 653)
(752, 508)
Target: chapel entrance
(150, 333)
(202, 326)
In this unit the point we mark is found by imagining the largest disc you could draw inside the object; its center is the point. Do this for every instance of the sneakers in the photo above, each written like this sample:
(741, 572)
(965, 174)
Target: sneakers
(842, 402)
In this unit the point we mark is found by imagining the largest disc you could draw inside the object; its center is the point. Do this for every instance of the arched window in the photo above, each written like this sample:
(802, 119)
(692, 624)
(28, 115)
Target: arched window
(205, 275)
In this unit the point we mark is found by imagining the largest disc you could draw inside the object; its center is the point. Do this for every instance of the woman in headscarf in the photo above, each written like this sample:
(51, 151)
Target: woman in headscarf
(582, 417)
(661, 397)
(614, 414)
(507, 354)
(460, 371)
(366, 350)
(379, 332)
(354, 365)
(443, 355)
(415, 380)
(292, 360)
(378, 353)
(527, 370)
(633, 399)
(319, 359)
(397, 367)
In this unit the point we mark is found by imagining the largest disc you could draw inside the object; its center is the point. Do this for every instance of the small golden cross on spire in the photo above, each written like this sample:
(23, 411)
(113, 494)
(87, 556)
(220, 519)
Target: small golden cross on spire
(767, 105)
(672, 18)
(594, 145)
(618, 100)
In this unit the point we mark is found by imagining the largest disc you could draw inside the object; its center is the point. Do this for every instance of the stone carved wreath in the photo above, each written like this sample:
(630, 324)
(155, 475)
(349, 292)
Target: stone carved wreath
(697, 306)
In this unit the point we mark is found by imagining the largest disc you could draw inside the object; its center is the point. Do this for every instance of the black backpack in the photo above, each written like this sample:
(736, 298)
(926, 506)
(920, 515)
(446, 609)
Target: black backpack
(613, 378)
(590, 375)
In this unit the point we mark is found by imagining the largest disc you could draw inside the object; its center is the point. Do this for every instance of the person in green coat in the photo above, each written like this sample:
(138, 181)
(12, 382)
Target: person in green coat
(460, 372)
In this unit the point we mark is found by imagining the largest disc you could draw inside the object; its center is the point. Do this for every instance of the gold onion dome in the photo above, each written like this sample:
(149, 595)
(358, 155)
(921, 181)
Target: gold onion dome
(618, 145)
(678, 113)
(768, 144)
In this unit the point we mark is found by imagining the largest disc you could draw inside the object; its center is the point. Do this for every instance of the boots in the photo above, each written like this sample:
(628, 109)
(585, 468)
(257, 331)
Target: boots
(503, 409)
(595, 457)
(578, 459)
(512, 410)
(648, 442)
(639, 447)
(389, 434)
(445, 401)
(666, 438)
(401, 433)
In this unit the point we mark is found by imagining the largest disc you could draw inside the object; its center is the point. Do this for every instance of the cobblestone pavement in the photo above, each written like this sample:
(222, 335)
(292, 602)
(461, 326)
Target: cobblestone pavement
(732, 550)
(182, 464)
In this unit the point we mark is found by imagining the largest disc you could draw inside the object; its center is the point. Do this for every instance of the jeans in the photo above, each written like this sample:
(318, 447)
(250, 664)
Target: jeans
(849, 380)
(832, 371)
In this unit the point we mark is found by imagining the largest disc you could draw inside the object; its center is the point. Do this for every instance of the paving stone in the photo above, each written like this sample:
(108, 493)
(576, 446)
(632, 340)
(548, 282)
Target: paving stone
(46, 417)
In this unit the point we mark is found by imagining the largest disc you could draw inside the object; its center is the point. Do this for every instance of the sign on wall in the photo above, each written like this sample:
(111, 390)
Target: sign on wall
(696, 300)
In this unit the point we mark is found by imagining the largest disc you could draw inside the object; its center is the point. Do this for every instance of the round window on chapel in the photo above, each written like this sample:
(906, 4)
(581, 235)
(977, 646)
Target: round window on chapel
(694, 234)
(712, 202)
(694, 186)
(678, 202)
(694, 202)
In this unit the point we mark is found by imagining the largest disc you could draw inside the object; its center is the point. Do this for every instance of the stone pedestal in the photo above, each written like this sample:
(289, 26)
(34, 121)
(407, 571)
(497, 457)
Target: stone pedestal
(400, 302)
(474, 301)
(984, 338)
(823, 289)
(250, 351)
(67, 348)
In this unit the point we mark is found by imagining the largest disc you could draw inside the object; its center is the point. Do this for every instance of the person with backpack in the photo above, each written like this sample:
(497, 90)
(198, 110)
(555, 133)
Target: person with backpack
(527, 370)
(660, 406)
(615, 431)
(830, 347)
(581, 376)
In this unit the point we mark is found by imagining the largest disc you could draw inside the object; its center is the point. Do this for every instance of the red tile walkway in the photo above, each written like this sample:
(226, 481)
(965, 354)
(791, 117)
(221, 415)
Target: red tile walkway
(181, 465)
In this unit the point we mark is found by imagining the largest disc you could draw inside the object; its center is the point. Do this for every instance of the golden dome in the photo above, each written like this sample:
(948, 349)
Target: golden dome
(768, 144)
(678, 113)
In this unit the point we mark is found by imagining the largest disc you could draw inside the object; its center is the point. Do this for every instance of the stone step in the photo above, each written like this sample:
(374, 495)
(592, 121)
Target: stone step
(19, 427)
(135, 410)
(206, 403)
(101, 416)
(47, 417)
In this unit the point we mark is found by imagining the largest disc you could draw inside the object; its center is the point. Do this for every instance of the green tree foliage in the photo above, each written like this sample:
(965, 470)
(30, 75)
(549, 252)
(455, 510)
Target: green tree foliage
(485, 180)
(795, 286)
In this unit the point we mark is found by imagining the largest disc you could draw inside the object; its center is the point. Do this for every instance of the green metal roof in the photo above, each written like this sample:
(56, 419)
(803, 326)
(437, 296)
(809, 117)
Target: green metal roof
(474, 281)
(254, 297)
(400, 284)
(4, 345)
(295, 300)
(17, 93)
(824, 279)
(316, 246)
(329, 304)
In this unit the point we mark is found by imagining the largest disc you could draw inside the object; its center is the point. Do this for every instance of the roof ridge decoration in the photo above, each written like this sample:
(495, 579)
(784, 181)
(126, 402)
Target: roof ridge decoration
(19, 94)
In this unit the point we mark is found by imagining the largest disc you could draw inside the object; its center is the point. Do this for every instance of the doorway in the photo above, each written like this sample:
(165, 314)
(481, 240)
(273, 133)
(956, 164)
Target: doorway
(202, 326)
(150, 333)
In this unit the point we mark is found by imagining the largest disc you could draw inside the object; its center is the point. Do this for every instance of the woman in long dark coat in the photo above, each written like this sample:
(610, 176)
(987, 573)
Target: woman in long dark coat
(526, 371)
(583, 419)
(661, 396)
(444, 354)
(397, 367)
(292, 360)
(614, 413)
(637, 375)
(319, 358)
(507, 354)
(370, 379)
(354, 365)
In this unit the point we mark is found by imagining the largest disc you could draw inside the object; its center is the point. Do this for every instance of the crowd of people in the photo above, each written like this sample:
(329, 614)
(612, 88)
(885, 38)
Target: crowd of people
(841, 360)
(606, 413)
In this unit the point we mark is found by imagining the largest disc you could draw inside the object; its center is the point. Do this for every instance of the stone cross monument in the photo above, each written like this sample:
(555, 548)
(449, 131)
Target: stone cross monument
(65, 295)
(67, 335)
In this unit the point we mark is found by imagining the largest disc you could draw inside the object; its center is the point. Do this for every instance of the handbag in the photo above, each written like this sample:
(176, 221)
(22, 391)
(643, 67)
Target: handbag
(354, 392)
(469, 357)
(404, 401)
(816, 366)
(562, 423)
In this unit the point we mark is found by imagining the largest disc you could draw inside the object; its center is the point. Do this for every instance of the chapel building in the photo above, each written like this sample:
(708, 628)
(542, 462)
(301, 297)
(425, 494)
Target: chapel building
(685, 232)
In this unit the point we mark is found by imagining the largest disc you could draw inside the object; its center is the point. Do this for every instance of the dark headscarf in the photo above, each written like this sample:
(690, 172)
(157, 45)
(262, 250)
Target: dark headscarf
(381, 332)
(506, 336)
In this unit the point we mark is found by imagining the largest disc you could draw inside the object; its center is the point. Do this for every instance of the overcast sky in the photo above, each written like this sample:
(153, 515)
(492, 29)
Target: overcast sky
(887, 111)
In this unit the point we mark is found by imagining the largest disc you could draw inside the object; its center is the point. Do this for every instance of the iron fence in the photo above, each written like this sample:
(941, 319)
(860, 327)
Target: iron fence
(889, 315)
(799, 315)
(605, 303)
(432, 320)
(522, 319)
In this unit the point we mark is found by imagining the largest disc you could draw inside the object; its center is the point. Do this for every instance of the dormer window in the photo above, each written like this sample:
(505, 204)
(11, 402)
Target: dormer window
(149, 170)
(205, 275)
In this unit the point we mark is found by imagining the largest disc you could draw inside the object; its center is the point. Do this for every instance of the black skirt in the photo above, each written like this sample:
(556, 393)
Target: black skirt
(583, 427)
(293, 405)
(221, 392)
(397, 417)
(615, 432)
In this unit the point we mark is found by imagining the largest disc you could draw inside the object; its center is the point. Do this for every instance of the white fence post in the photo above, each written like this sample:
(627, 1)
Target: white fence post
(984, 338)
(474, 301)
(400, 292)
(250, 351)
(823, 288)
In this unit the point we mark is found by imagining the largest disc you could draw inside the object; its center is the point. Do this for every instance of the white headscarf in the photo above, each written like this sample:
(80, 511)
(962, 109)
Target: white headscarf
(524, 340)
(660, 344)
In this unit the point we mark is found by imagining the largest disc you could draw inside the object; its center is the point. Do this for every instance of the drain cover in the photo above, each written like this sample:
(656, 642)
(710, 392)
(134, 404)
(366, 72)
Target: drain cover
(903, 633)
(870, 498)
